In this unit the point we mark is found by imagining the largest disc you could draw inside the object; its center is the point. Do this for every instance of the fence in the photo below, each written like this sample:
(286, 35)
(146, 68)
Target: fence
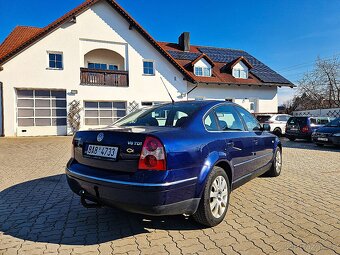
(332, 112)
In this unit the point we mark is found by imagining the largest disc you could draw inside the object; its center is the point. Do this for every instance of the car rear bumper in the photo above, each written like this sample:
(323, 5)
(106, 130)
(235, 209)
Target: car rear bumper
(298, 135)
(331, 140)
(168, 198)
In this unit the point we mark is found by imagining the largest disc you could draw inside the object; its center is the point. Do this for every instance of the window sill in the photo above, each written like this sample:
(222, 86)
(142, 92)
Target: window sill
(58, 69)
(203, 75)
(148, 74)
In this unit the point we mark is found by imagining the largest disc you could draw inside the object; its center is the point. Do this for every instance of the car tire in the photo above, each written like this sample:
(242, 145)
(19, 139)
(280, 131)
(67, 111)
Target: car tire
(215, 199)
(277, 132)
(320, 144)
(276, 167)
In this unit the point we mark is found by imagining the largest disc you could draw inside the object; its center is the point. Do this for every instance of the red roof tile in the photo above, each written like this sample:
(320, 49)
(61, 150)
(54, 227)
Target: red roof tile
(17, 37)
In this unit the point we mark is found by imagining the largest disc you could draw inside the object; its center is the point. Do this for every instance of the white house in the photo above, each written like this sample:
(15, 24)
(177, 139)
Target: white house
(98, 54)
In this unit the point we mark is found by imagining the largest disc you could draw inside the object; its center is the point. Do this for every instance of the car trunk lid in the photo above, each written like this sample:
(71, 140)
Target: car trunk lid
(125, 143)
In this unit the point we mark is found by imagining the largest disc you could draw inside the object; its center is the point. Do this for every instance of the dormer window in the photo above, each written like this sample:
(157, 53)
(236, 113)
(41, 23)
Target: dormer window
(202, 71)
(202, 66)
(240, 68)
(241, 74)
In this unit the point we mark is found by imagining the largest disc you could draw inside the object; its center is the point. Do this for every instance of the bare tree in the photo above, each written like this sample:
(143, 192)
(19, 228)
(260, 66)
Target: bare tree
(321, 86)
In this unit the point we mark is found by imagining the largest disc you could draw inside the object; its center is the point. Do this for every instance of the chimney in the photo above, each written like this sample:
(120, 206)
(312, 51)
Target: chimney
(184, 41)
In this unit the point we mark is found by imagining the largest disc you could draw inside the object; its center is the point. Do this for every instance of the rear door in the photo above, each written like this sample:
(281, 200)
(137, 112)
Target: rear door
(237, 144)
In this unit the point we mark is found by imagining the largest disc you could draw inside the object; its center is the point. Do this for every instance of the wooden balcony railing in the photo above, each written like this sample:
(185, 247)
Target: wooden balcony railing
(104, 77)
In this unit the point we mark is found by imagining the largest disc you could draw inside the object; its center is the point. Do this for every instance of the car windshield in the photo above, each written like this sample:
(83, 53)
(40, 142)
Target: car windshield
(263, 118)
(169, 115)
(334, 123)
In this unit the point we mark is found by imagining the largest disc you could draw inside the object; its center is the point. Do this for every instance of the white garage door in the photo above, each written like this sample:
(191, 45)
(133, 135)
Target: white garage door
(41, 112)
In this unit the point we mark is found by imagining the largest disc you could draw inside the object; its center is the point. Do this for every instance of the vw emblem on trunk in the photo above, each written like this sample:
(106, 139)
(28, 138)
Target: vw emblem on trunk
(100, 137)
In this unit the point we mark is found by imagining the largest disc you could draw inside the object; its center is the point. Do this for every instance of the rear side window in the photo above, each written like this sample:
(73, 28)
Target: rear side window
(210, 122)
(228, 119)
(249, 119)
(319, 121)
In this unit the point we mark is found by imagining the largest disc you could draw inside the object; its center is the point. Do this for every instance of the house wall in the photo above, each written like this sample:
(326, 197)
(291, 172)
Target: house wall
(202, 63)
(100, 27)
(265, 98)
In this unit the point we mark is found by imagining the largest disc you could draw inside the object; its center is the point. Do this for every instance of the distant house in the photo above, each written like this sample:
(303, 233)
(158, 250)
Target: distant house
(98, 54)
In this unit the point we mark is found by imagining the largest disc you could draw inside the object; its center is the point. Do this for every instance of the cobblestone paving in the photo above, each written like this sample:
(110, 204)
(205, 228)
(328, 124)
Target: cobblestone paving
(296, 213)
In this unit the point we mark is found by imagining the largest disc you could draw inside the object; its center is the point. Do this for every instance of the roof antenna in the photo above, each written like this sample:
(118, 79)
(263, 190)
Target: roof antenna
(172, 100)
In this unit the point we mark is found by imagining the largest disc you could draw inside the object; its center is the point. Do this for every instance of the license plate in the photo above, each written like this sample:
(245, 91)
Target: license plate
(294, 129)
(100, 151)
(323, 139)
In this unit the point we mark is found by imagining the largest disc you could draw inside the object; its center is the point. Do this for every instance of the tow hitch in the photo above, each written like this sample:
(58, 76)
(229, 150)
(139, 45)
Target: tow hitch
(94, 199)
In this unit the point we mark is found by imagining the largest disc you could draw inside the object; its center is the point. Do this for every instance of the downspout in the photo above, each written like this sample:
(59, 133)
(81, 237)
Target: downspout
(2, 134)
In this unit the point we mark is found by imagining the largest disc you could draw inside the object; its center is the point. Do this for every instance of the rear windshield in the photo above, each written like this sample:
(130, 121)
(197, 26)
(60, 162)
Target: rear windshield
(297, 121)
(334, 123)
(263, 118)
(169, 115)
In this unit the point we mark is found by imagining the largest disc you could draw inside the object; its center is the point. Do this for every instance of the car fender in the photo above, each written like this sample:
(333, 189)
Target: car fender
(212, 160)
(277, 143)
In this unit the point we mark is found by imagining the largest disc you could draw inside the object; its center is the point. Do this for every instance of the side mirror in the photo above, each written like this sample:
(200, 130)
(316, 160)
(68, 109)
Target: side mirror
(265, 127)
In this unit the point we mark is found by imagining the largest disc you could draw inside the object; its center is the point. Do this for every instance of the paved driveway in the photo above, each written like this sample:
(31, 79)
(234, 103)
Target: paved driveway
(296, 213)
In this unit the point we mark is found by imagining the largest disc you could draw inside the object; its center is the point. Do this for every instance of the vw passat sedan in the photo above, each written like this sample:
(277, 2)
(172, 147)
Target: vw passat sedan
(180, 158)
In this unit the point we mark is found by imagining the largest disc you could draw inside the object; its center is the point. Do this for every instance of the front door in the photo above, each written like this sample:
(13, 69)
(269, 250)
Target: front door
(262, 141)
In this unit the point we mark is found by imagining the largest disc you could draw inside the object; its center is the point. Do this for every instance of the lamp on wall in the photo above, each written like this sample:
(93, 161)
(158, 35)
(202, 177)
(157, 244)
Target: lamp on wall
(74, 92)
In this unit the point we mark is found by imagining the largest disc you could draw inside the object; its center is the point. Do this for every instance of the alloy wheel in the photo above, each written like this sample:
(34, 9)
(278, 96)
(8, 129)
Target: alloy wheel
(218, 196)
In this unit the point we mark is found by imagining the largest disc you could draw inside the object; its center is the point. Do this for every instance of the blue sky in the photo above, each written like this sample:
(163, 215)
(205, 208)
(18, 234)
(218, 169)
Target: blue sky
(286, 35)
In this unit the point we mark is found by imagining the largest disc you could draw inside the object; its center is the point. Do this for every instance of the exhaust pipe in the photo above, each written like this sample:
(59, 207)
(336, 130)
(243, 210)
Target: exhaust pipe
(84, 196)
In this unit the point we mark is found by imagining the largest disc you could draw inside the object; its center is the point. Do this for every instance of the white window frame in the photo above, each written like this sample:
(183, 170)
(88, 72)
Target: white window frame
(48, 60)
(98, 109)
(203, 69)
(237, 73)
(107, 66)
(153, 67)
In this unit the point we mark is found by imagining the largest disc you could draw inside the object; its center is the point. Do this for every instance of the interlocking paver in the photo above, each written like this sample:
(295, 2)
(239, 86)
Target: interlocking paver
(296, 213)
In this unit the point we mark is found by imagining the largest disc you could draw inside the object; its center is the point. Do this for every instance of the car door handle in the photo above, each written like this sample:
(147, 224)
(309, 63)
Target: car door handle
(230, 144)
(256, 141)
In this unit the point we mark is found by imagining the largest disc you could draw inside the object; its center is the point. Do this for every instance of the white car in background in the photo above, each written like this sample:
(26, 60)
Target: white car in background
(277, 122)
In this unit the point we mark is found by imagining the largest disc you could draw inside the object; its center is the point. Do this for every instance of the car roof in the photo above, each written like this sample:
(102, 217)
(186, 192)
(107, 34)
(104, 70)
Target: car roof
(200, 102)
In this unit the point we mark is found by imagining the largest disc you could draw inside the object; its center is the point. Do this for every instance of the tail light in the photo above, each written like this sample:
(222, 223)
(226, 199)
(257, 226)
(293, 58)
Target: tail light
(152, 156)
(305, 129)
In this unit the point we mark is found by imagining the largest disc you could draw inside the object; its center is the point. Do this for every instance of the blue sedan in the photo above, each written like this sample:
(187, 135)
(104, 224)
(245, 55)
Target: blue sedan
(176, 158)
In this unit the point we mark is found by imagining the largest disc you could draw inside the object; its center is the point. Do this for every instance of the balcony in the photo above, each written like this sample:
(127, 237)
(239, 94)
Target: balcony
(110, 78)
